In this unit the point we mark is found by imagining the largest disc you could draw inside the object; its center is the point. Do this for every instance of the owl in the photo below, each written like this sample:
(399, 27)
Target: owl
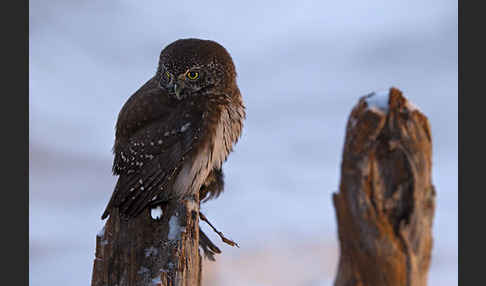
(173, 134)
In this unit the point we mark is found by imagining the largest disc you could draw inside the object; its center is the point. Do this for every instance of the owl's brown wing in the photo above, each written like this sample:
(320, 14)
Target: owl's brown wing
(148, 161)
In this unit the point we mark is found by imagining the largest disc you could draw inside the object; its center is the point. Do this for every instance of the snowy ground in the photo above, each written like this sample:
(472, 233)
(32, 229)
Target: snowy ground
(301, 66)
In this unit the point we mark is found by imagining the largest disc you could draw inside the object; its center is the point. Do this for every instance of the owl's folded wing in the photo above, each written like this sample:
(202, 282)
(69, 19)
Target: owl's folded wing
(149, 162)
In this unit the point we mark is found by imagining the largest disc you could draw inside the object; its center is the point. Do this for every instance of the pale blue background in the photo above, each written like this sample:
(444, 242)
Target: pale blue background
(301, 66)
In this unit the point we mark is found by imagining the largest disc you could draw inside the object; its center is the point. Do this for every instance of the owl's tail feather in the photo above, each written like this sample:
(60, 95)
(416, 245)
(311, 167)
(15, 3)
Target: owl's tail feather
(207, 246)
(106, 213)
(223, 238)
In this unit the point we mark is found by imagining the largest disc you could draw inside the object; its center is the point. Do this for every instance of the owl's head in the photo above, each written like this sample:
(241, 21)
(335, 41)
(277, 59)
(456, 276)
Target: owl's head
(194, 67)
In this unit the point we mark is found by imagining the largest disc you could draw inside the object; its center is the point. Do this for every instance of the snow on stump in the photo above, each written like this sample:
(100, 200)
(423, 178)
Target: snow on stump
(386, 200)
(159, 247)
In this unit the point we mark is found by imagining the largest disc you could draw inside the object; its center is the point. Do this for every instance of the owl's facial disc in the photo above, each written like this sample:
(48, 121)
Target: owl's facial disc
(188, 80)
(186, 83)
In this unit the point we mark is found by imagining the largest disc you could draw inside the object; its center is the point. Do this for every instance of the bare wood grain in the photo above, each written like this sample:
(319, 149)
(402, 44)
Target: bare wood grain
(147, 251)
(386, 200)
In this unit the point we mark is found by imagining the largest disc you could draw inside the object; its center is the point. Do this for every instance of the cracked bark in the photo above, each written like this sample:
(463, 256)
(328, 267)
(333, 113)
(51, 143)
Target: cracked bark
(386, 200)
(147, 251)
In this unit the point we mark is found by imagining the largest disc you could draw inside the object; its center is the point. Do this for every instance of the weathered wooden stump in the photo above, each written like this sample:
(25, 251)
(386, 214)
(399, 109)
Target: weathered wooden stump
(386, 200)
(151, 249)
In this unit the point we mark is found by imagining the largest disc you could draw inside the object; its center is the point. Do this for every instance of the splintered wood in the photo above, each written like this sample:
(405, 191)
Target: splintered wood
(386, 200)
(160, 249)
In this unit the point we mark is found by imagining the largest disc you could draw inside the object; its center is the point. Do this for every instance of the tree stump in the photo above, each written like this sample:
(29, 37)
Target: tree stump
(386, 200)
(159, 247)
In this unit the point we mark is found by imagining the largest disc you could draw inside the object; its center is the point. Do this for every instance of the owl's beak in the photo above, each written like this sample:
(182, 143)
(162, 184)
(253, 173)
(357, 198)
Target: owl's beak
(177, 90)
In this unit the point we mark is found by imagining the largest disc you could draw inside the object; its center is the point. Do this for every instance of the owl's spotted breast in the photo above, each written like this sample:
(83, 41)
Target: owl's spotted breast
(221, 131)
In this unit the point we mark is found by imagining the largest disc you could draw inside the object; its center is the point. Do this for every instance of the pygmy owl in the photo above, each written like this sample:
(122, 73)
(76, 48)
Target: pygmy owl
(174, 133)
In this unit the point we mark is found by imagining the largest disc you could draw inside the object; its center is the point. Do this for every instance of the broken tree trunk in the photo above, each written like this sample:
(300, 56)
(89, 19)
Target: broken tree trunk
(151, 249)
(385, 204)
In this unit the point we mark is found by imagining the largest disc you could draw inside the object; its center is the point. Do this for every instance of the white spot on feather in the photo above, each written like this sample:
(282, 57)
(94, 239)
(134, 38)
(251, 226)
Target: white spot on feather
(151, 251)
(185, 126)
(156, 213)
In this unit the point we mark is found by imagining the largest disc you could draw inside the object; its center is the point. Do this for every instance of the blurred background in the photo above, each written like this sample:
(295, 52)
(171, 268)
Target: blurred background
(302, 65)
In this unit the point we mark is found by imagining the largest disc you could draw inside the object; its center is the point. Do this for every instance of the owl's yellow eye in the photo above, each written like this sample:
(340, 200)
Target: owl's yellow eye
(192, 75)
(167, 74)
